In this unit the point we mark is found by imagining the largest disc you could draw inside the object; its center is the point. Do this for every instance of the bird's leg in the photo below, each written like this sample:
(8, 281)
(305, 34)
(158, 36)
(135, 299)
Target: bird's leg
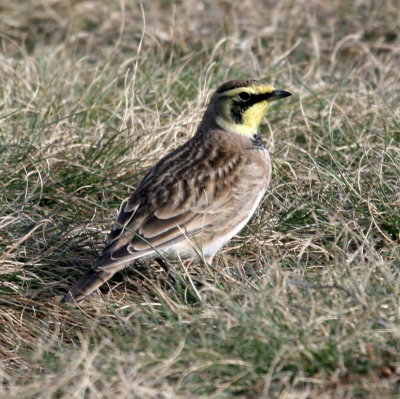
(164, 265)
(210, 263)
(209, 260)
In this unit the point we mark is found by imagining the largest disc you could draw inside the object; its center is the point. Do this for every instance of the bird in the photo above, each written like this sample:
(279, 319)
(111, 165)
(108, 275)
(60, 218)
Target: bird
(200, 195)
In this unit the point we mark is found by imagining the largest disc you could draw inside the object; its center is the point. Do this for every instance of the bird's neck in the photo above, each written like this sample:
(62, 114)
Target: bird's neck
(248, 129)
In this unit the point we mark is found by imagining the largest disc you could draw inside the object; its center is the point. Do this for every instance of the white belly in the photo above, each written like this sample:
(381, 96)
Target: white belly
(211, 249)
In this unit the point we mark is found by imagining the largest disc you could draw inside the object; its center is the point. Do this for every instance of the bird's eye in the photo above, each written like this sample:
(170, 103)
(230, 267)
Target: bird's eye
(244, 95)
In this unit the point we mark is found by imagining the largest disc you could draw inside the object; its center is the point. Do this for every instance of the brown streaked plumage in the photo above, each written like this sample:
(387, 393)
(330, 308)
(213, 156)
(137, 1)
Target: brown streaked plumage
(200, 195)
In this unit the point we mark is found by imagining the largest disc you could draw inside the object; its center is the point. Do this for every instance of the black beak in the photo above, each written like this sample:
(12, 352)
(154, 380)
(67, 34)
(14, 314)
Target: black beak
(277, 94)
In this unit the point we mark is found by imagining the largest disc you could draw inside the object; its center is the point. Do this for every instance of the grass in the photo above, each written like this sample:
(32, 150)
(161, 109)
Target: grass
(303, 304)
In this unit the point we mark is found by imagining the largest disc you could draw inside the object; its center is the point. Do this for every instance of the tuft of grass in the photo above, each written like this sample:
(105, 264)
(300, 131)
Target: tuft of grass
(304, 303)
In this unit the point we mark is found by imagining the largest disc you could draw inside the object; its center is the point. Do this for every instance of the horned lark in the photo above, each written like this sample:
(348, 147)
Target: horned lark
(196, 198)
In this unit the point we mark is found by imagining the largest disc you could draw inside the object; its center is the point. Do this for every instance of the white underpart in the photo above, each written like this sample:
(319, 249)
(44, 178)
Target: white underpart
(189, 247)
(212, 249)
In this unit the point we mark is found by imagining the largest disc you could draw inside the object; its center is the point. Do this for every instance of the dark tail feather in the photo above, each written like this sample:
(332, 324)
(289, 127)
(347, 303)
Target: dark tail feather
(86, 285)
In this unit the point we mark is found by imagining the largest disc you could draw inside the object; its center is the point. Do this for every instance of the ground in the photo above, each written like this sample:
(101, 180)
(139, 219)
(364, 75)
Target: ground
(304, 303)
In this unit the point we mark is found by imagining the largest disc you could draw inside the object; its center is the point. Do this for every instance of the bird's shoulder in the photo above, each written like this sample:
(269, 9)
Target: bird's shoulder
(193, 177)
(196, 163)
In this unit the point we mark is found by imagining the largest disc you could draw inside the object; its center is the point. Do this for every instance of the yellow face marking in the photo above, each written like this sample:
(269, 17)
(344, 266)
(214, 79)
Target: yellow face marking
(259, 89)
(251, 117)
(254, 115)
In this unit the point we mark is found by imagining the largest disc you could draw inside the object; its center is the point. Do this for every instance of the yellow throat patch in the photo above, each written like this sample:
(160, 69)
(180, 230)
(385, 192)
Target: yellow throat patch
(242, 109)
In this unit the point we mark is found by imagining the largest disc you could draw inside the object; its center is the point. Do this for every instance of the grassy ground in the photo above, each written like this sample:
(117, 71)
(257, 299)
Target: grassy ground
(304, 304)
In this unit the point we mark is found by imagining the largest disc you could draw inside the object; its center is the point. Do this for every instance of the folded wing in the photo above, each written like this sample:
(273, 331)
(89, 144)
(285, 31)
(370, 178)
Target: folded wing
(176, 201)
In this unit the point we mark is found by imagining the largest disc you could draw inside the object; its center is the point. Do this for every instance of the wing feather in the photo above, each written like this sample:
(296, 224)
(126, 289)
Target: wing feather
(173, 202)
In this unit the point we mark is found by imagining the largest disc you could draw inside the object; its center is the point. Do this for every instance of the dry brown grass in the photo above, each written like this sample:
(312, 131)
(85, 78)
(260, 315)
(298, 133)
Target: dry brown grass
(304, 304)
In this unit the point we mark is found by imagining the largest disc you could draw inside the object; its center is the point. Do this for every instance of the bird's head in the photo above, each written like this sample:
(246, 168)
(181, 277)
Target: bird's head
(239, 105)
